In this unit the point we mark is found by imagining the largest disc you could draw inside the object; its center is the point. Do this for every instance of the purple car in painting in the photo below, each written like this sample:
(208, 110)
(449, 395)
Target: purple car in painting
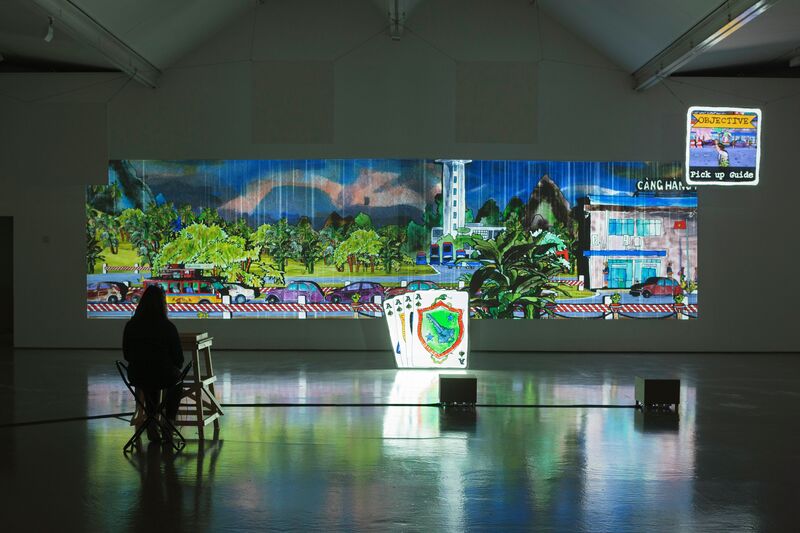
(292, 292)
(367, 290)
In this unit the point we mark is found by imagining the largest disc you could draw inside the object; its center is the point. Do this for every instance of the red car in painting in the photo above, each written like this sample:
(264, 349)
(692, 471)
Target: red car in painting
(416, 285)
(656, 286)
(104, 291)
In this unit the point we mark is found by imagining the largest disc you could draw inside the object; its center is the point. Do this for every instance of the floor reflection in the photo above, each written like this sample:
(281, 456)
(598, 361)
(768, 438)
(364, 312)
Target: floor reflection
(413, 466)
(725, 461)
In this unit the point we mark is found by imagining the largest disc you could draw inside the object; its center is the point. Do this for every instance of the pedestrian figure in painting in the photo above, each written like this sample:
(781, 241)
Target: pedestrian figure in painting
(722, 155)
(152, 347)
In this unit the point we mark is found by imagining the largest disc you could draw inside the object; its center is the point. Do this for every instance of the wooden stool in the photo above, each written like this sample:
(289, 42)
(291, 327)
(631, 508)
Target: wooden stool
(198, 387)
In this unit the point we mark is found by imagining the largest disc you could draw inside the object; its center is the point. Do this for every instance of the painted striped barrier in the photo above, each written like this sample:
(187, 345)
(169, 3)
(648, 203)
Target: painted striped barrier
(368, 308)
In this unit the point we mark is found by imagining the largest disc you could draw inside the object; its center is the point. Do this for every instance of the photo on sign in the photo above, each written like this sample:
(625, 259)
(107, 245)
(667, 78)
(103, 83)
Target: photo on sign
(723, 146)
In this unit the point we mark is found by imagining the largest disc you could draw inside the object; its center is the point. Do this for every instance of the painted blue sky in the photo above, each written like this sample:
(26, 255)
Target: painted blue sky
(277, 187)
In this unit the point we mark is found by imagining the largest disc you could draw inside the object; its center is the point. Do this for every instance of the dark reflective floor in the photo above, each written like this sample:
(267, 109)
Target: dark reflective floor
(728, 463)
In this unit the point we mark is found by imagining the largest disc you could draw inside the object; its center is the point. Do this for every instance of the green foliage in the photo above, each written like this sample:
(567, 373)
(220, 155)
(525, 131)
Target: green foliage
(242, 229)
(687, 285)
(310, 244)
(569, 236)
(514, 223)
(417, 238)
(210, 217)
(199, 243)
(515, 274)
(108, 231)
(362, 246)
(460, 240)
(186, 215)
(362, 221)
(616, 298)
(93, 248)
(468, 216)
(489, 214)
(278, 241)
(391, 246)
(104, 198)
(433, 213)
(330, 237)
(515, 206)
(150, 229)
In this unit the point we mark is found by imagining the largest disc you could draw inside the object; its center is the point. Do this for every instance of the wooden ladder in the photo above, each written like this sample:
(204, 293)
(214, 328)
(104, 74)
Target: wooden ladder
(202, 407)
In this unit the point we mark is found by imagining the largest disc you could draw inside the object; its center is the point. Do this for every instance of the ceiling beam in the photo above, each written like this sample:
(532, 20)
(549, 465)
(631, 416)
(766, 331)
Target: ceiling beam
(718, 25)
(83, 27)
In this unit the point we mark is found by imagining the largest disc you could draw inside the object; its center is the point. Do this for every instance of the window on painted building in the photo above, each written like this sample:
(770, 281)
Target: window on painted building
(648, 227)
(455, 203)
(620, 226)
(455, 215)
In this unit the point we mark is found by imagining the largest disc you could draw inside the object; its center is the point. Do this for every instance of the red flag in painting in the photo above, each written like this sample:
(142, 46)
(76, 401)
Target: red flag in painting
(679, 224)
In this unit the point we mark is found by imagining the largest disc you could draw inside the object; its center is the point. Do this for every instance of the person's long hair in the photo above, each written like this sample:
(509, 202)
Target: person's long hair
(153, 305)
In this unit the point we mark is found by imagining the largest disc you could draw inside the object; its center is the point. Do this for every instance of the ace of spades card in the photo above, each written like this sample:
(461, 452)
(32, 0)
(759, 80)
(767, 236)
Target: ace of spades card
(437, 329)
(395, 312)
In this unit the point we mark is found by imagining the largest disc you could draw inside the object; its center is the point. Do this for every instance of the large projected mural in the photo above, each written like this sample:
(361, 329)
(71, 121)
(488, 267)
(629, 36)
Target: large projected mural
(338, 238)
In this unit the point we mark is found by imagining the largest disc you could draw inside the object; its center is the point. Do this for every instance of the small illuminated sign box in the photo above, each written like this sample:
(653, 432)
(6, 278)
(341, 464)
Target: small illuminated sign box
(723, 145)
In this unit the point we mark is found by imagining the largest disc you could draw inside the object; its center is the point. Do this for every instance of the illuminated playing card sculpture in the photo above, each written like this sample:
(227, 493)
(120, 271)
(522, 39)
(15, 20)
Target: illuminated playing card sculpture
(429, 329)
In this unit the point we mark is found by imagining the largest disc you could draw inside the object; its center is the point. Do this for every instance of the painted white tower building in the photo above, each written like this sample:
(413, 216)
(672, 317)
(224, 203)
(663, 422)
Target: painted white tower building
(454, 199)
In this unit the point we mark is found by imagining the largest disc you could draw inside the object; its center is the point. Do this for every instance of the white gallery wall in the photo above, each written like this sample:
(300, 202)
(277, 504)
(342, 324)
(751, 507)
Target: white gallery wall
(473, 79)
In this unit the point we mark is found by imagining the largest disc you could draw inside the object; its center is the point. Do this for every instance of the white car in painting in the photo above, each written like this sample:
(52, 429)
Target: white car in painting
(240, 294)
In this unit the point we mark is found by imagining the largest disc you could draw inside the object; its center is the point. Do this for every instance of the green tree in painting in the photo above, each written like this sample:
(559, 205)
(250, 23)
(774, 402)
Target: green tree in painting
(330, 238)
(362, 221)
(311, 246)
(277, 241)
(94, 251)
(514, 223)
(514, 275)
(362, 247)
(186, 215)
(566, 233)
(108, 231)
(199, 243)
(514, 205)
(489, 214)
(210, 217)
(392, 239)
(104, 198)
(417, 238)
(150, 229)
(433, 213)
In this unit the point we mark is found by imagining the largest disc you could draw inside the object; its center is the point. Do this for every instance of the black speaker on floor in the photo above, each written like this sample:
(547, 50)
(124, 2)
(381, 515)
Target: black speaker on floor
(458, 389)
(657, 394)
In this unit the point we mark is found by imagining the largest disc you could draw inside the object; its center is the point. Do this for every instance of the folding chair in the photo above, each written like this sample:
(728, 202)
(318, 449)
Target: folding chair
(152, 416)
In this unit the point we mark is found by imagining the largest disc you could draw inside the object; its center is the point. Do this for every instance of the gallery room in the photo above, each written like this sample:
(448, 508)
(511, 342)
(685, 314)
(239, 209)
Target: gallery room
(399, 265)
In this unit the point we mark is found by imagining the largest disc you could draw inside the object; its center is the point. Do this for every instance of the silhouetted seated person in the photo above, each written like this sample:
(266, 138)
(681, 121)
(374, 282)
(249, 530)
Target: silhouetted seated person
(152, 347)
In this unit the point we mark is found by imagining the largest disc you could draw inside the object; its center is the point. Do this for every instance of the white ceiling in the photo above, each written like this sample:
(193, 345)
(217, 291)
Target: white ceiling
(162, 31)
(772, 38)
(628, 32)
(22, 32)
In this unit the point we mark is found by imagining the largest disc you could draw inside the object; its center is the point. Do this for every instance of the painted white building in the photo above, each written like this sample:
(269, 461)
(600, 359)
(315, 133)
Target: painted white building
(454, 203)
(627, 239)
